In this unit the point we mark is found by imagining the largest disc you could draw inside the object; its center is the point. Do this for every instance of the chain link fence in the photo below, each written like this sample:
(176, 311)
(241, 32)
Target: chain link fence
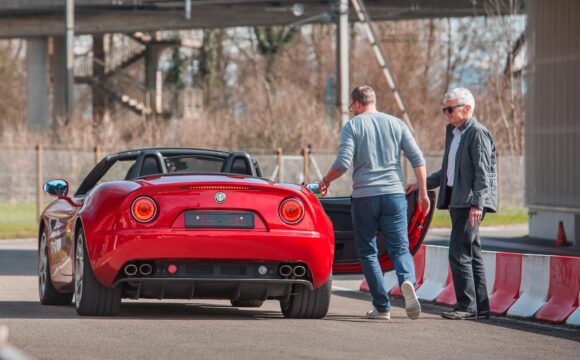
(23, 171)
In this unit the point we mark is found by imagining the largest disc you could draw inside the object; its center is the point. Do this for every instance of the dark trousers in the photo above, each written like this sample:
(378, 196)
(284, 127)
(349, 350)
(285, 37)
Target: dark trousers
(466, 263)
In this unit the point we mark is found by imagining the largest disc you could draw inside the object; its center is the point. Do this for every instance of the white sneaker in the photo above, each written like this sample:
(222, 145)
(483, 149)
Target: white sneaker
(412, 305)
(376, 315)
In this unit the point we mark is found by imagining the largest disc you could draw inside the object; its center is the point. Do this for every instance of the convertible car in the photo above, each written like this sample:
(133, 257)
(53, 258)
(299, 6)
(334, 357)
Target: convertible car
(195, 223)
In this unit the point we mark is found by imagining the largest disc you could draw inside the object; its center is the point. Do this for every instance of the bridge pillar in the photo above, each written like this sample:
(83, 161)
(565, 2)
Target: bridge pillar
(58, 67)
(342, 49)
(154, 87)
(99, 98)
(37, 84)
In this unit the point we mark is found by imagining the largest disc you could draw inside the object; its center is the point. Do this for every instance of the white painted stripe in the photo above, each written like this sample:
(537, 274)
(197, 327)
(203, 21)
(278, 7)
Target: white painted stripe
(574, 319)
(533, 287)
(339, 288)
(489, 265)
(436, 270)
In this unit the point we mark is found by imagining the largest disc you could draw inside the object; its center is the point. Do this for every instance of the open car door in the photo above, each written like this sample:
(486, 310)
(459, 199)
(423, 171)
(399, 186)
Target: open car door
(346, 259)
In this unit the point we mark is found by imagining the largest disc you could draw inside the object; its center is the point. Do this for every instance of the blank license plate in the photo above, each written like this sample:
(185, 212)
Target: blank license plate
(219, 219)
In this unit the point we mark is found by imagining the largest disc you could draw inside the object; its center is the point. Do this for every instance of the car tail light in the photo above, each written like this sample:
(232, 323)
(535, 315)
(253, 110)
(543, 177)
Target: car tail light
(291, 211)
(144, 209)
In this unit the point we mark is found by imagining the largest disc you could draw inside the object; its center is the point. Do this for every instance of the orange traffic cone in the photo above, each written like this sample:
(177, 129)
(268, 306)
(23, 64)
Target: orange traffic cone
(561, 239)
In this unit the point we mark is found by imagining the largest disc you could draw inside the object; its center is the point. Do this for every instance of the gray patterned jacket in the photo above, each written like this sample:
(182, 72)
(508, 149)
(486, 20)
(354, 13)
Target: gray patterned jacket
(475, 183)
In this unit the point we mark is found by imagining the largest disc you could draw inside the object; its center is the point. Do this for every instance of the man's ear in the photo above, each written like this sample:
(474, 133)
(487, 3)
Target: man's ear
(467, 109)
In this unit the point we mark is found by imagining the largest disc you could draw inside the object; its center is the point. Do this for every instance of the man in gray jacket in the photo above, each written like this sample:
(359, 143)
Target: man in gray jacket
(467, 184)
(372, 142)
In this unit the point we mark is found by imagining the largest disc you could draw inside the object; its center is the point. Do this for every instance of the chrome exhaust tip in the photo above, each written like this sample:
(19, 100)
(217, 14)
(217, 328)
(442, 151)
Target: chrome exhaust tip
(145, 269)
(130, 270)
(285, 270)
(299, 271)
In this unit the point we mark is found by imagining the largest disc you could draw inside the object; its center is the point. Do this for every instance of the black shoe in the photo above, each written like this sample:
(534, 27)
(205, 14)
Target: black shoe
(483, 314)
(459, 315)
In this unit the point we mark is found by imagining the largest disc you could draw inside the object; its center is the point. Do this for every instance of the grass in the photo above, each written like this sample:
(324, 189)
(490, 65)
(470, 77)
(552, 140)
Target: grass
(19, 220)
(508, 216)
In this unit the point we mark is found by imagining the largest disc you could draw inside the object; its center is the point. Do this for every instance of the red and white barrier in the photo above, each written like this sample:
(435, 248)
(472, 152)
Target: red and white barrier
(563, 291)
(506, 288)
(543, 287)
(533, 287)
(489, 266)
(574, 319)
(436, 270)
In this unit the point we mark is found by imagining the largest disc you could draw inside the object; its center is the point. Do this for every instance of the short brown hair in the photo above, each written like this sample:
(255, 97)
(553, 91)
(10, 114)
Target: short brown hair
(364, 95)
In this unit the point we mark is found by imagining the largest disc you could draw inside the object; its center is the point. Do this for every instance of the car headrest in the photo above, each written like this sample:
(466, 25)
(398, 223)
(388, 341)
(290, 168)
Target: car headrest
(150, 167)
(240, 167)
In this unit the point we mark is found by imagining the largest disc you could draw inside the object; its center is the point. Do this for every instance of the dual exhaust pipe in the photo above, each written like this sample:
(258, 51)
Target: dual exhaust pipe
(143, 269)
(287, 270)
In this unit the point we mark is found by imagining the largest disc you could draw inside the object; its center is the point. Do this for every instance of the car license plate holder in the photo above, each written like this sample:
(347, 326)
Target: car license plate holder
(220, 219)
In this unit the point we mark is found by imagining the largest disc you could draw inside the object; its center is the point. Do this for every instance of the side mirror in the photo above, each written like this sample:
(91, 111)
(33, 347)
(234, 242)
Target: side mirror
(315, 189)
(58, 188)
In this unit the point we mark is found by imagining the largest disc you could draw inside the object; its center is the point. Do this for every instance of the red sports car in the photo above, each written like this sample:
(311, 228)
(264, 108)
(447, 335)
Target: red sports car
(194, 223)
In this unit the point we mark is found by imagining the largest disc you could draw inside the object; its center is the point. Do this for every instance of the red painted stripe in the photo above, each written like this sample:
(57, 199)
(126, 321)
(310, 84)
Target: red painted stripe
(448, 297)
(563, 291)
(506, 290)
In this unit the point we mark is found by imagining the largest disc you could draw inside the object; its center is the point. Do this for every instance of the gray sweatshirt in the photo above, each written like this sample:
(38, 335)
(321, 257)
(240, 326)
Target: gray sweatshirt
(372, 142)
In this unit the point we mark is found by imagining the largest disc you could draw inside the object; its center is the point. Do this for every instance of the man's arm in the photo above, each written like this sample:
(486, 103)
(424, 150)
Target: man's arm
(480, 149)
(434, 180)
(343, 159)
(421, 175)
(415, 156)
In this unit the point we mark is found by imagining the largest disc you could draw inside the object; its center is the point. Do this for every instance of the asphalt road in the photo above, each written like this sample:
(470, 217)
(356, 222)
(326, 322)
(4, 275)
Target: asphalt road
(215, 330)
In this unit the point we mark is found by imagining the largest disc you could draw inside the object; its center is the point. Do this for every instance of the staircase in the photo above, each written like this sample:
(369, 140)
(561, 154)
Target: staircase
(115, 75)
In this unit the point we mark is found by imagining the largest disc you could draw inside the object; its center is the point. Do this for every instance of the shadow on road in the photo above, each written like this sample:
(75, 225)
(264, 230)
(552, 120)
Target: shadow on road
(16, 262)
(515, 324)
(140, 311)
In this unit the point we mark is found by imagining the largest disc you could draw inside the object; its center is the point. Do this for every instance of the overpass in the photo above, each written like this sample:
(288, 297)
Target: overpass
(31, 18)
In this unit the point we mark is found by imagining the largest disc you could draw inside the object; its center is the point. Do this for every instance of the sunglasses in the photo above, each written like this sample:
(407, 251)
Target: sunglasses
(449, 109)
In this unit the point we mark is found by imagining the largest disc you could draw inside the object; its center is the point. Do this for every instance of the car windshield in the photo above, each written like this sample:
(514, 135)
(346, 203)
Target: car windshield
(193, 163)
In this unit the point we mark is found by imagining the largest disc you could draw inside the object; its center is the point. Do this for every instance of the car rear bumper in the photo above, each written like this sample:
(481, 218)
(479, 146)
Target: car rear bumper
(109, 252)
(208, 288)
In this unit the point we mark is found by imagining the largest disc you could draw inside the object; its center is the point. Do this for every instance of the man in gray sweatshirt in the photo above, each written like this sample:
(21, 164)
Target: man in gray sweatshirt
(371, 142)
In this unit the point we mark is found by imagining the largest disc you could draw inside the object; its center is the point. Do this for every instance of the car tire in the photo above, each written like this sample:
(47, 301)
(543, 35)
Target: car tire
(306, 303)
(247, 303)
(92, 298)
(46, 291)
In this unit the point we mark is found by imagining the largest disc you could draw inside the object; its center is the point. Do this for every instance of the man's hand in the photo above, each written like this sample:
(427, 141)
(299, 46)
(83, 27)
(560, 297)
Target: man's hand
(323, 185)
(423, 201)
(411, 187)
(474, 216)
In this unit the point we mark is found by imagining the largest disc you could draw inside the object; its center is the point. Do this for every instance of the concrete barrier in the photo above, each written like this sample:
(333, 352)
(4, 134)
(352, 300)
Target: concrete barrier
(436, 273)
(489, 265)
(563, 291)
(574, 319)
(448, 297)
(534, 286)
(531, 286)
(506, 287)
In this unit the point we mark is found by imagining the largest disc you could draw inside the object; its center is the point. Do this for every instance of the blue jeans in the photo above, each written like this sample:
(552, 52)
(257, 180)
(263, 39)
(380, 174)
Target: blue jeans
(387, 213)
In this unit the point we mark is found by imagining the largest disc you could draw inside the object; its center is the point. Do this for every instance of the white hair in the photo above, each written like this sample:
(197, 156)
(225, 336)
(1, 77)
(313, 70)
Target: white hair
(462, 95)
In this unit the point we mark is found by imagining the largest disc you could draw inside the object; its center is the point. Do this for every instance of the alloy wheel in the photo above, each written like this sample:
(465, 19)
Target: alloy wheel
(79, 269)
(42, 265)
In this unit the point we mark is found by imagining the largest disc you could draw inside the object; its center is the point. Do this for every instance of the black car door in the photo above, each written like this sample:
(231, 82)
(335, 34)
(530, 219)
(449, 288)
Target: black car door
(345, 254)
